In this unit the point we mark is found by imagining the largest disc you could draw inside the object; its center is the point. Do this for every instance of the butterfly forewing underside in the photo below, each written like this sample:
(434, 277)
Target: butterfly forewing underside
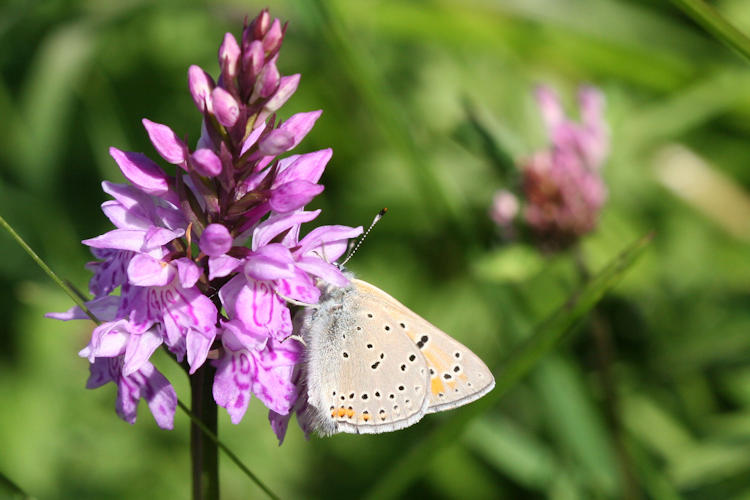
(457, 375)
(375, 366)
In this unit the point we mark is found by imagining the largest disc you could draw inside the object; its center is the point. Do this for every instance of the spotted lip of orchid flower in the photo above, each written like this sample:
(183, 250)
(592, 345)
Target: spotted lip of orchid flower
(218, 231)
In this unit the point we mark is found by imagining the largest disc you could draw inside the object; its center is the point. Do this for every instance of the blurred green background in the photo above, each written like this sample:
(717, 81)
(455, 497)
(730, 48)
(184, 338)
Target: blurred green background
(668, 416)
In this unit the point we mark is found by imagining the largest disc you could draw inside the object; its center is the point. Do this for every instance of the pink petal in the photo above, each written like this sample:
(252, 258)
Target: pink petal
(232, 382)
(160, 396)
(300, 124)
(257, 131)
(107, 340)
(141, 171)
(294, 195)
(121, 239)
(278, 141)
(158, 236)
(253, 58)
(262, 311)
(215, 240)
(206, 163)
(236, 337)
(225, 107)
(221, 266)
(126, 195)
(320, 268)
(187, 271)
(300, 288)
(270, 262)
(144, 270)
(550, 106)
(273, 378)
(308, 167)
(279, 424)
(268, 80)
(166, 142)
(277, 224)
(124, 218)
(102, 371)
(201, 85)
(229, 54)
(197, 349)
(329, 242)
(139, 349)
(274, 36)
(287, 87)
(104, 308)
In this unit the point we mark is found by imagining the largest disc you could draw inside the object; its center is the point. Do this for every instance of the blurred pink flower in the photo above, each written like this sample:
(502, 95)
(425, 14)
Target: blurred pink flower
(562, 190)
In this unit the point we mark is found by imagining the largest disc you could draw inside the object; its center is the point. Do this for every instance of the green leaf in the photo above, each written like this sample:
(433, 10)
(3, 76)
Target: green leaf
(514, 451)
(521, 361)
(714, 23)
(11, 490)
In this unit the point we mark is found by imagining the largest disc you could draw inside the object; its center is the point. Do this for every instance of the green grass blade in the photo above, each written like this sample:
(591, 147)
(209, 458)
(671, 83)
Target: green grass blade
(53, 276)
(392, 483)
(9, 489)
(714, 23)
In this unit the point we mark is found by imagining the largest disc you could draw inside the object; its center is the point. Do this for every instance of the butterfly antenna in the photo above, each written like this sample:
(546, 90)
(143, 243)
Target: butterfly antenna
(362, 238)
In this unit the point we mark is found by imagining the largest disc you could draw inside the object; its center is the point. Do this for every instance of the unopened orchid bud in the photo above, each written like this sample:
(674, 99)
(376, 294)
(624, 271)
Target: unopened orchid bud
(261, 24)
(225, 107)
(201, 85)
(268, 81)
(206, 163)
(272, 40)
(229, 56)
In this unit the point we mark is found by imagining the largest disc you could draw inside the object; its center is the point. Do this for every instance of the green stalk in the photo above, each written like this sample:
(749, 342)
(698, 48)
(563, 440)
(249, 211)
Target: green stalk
(203, 450)
(66, 288)
(713, 22)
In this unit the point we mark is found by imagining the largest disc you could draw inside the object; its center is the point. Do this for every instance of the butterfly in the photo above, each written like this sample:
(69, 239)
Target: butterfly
(372, 365)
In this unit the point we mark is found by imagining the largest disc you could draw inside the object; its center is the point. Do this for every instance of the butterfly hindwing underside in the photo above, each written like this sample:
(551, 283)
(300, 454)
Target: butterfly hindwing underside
(375, 366)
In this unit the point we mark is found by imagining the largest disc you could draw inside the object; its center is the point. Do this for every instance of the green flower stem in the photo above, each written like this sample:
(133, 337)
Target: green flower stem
(212, 435)
(713, 22)
(605, 352)
(203, 450)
